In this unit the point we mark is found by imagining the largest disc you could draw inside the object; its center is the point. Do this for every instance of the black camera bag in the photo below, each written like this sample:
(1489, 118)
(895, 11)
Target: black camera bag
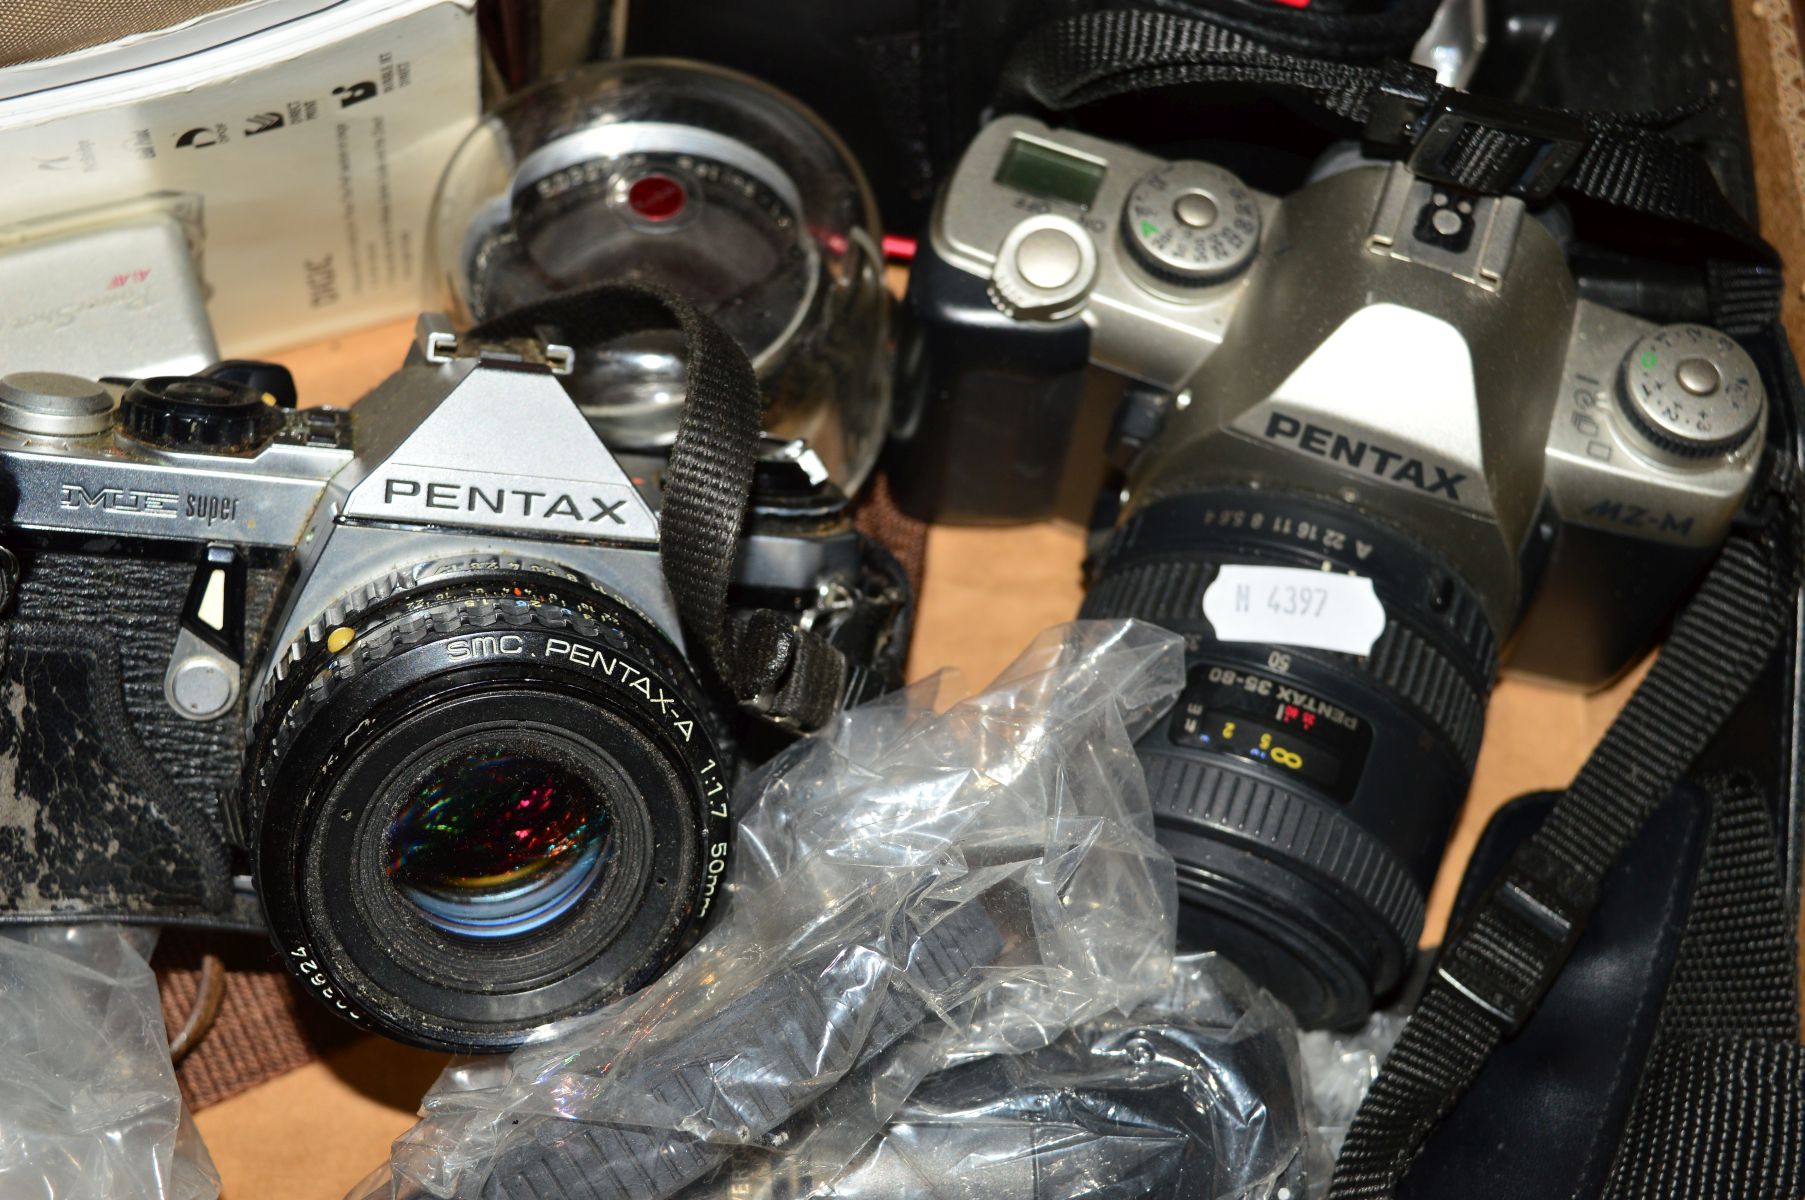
(1664, 1061)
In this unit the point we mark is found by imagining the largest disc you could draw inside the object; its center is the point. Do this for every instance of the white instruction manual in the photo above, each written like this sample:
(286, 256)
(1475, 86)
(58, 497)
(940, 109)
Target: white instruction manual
(314, 148)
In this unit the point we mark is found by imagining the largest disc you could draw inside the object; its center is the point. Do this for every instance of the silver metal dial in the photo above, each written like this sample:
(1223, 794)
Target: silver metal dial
(1191, 223)
(1044, 268)
(46, 402)
(1692, 391)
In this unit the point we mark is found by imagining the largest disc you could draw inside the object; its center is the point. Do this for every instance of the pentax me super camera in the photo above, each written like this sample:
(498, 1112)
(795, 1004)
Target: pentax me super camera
(413, 669)
(1369, 441)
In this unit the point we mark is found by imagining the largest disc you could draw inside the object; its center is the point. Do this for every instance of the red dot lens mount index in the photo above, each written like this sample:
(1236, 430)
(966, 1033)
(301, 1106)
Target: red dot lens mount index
(656, 198)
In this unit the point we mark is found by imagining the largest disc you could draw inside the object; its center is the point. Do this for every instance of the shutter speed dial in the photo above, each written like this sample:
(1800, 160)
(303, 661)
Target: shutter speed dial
(1692, 391)
(1191, 223)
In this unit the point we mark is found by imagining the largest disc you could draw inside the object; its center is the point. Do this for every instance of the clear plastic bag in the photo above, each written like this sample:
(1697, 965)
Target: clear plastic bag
(89, 1108)
(912, 888)
(1194, 1095)
(1338, 1070)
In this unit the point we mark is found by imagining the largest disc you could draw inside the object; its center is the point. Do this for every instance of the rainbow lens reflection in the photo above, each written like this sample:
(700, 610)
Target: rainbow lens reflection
(496, 844)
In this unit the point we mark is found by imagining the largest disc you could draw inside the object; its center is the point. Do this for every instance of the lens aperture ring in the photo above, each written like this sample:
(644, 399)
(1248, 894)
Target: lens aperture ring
(361, 599)
(1170, 592)
(1274, 528)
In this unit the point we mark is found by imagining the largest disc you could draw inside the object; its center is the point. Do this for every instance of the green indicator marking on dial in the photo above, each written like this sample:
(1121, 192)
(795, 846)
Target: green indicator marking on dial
(1648, 360)
(1149, 229)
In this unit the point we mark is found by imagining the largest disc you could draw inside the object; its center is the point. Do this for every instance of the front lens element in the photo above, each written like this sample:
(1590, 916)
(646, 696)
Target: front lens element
(496, 842)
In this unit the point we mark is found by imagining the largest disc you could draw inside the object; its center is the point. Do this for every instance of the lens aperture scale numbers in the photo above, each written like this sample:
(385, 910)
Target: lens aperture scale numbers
(1292, 606)
(1266, 720)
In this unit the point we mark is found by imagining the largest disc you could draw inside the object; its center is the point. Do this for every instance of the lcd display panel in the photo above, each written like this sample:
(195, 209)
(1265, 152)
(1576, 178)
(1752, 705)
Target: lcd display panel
(1051, 174)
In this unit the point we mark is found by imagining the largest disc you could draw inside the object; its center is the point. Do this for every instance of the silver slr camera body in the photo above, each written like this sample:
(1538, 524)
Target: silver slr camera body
(1372, 337)
(414, 667)
(1369, 443)
(468, 451)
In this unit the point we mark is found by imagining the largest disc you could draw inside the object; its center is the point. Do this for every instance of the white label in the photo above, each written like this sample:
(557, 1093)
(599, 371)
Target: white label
(1290, 606)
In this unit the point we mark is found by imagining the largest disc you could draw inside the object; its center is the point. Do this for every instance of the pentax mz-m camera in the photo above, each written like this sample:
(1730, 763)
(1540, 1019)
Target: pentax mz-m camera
(1370, 440)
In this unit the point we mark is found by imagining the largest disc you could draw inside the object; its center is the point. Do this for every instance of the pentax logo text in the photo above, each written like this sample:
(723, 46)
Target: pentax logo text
(79, 498)
(502, 501)
(1365, 457)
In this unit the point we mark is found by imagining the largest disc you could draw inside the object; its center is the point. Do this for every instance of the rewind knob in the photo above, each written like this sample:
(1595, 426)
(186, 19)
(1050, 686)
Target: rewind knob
(195, 411)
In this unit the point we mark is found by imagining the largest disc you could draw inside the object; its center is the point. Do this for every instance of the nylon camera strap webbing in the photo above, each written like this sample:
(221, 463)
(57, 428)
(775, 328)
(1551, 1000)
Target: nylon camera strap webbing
(1355, 34)
(1495, 969)
(787, 675)
(1721, 1105)
(1486, 146)
(1719, 1110)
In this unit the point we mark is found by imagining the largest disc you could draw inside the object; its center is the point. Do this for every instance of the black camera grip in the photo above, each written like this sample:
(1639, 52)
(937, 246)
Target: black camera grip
(110, 806)
(985, 403)
(93, 826)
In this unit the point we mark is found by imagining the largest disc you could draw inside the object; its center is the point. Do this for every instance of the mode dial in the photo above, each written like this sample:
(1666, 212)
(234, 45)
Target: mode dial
(1191, 223)
(1692, 391)
(196, 411)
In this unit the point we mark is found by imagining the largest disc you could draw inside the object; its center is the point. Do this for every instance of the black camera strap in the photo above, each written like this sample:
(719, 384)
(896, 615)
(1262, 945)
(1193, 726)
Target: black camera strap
(1485, 146)
(1349, 34)
(787, 675)
(1719, 1108)
(1495, 969)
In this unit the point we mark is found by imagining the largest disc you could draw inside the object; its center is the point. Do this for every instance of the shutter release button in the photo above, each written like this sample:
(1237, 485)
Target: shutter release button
(1195, 209)
(1044, 268)
(1048, 258)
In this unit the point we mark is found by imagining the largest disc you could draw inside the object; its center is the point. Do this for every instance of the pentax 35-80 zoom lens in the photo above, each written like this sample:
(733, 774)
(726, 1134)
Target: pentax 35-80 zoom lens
(1307, 794)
